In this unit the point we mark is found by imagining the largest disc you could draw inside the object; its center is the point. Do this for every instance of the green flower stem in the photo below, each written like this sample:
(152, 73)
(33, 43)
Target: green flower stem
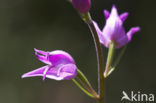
(87, 18)
(109, 59)
(84, 90)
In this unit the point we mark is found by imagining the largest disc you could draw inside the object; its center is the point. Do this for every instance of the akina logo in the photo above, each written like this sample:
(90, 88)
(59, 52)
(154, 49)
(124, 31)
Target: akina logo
(137, 96)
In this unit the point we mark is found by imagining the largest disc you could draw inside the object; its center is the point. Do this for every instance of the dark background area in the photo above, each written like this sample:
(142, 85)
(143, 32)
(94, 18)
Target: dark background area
(54, 24)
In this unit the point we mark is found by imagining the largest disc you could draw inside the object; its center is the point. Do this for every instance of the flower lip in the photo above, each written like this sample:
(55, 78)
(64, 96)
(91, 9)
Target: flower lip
(60, 66)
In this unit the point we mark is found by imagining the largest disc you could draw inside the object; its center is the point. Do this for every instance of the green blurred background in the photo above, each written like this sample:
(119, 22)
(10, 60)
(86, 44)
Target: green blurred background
(54, 24)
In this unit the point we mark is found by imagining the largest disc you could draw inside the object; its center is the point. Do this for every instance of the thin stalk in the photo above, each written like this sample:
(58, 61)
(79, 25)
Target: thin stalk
(88, 20)
(109, 58)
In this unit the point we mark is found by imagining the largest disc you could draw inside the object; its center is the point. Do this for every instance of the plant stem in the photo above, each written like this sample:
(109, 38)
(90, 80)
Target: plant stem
(109, 58)
(88, 20)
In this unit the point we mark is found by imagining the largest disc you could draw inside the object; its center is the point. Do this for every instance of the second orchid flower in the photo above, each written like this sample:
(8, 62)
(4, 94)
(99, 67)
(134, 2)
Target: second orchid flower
(113, 30)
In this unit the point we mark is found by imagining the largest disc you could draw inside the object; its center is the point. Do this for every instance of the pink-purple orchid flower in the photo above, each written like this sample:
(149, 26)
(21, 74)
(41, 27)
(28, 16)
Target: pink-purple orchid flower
(82, 6)
(60, 66)
(113, 30)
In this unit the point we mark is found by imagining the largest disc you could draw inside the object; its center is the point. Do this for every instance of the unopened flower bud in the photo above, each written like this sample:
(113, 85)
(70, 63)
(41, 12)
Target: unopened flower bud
(82, 6)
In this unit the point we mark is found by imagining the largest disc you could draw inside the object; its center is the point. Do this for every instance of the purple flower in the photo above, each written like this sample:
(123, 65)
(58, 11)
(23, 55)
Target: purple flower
(82, 6)
(113, 30)
(60, 66)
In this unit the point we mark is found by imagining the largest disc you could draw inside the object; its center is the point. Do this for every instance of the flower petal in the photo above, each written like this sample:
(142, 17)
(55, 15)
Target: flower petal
(131, 32)
(43, 57)
(66, 72)
(53, 72)
(58, 57)
(123, 41)
(106, 13)
(103, 39)
(45, 73)
(114, 11)
(127, 38)
(40, 51)
(36, 72)
(123, 16)
(113, 28)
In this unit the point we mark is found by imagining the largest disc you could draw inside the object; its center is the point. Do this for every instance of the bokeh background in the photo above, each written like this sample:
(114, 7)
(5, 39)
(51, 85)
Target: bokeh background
(54, 24)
